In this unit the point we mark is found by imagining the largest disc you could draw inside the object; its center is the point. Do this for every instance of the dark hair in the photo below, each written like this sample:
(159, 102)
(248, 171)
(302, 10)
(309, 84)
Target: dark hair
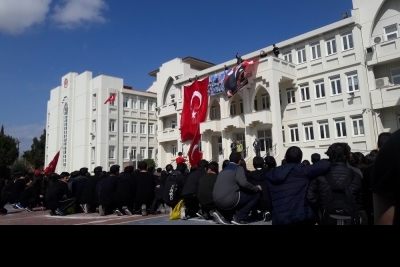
(64, 174)
(202, 164)
(338, 152)
(382, 138)
(98, 170)
(225, 163)
(128, 169)
(357, 160)
(159, 170)
(179, 153)
(293, 154)
(306, 162)
(270, 162)
(235, 157)
(182, 167)
(315, 157)
(142, 165)
(213, 166)
(151, 169)
(169, 167)
(258, 162)
(114, 169)
(83, 171)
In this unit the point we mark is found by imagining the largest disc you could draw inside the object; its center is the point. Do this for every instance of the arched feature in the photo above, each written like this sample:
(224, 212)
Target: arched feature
(236, 105)
(166, 92)
(385, 14)
(261, 99)
(215, 110)
(65, 135)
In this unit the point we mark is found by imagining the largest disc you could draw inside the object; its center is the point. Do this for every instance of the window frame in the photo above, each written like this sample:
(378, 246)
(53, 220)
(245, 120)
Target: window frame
(306, 88)
(126, 127)
(301, 54)
(288, 56)
(111, 152)
(323, 126)
(292, 98)
(342, 123)
(308, 130)
(111, 126)
(125, 102)
(395, 76)
(391, 33)
(315, 50)
(319, 88)
(330, 44)
(142, 128)
(232, 110)
(294, 133)
(351, 76)
(337, 81)
(134, 127)
(265, 101)
(346, 40)
(360, 128)
(151, 128)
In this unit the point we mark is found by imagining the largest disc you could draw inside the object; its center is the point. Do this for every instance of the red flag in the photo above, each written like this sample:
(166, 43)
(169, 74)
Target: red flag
(194, 153)
(110, 99)
(194, 111)
(51, 168)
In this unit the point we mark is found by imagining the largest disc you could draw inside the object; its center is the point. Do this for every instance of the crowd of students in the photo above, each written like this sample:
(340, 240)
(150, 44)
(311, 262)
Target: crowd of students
(292, 193)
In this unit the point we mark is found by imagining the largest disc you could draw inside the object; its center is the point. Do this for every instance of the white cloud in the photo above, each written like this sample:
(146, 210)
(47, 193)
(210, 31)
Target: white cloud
(24, 134)
(18, 15)
(75, 13)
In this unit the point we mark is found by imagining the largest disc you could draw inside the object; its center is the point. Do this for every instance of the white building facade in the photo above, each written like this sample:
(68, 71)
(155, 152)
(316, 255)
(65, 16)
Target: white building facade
(338, 83)
(89, 133)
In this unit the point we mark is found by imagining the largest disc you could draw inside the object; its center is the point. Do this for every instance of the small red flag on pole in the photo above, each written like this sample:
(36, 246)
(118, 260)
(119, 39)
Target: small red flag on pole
(110, 99)
(51, 168)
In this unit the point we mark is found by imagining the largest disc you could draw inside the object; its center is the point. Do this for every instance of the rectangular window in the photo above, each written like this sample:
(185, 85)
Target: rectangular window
(125, 103)
(173, 124)
(308, 132)
(304, 92)
(142, 153)
(319, 89)
(151, 128)
(288, 56)
(301, 55)
(395, 73)
(290, 96)
(294, 134)
(94, 100)
(173, 150)
(126, 127)
(330, 46)
(233, 108)
(347, 41)
(241, 106)
(150, 153)
(93, 126)
(134, 127)
(142, 105)
(151, 106)
(340, 125)
(315, 49)
(112, 103)
(93, 153)
(283, 134)
(213, 115)
(358, 126)
(111, 152)
(142, 128)
(391, 32)
(133, 152)
(265, 101)
(352, 82)
(134, 103)
(336, 88)
(323, 130)
(125, 153)
(112, 126)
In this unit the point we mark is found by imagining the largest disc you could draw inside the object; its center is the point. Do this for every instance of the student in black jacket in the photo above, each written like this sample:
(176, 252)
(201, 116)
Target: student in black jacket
(89, 196)
(58, 196)
(30, 197)
(107, 187)
(205, 189)
(125, 192)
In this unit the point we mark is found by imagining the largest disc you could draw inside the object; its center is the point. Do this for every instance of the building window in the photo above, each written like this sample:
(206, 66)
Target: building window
(233, 108)
(93, 126)
(308, 132)
(93, 153)
(213, 114)
(111, 152)
(125, 103)
(395, 75)
(151, 128)
(126, 127)
(94, 100)
(142, 128)
(336, 88)
(125, 153)
(134, 103)
(172, 97)
(323, 130)
(65, 135)
(112, 126)
(290, 96)
(280, 97)
(319, 89)
(391, 32)
(315, 49)
(347, 41)
(294, 134)
(283, 134)
(304, 92)
(288, 56)
(330, 46)
(113, 102)
(265, 101)
(142, 153)
(173, 150)
(352, 82)
(358, 126)
(150, 153)
(151, 105)
(301, 55)
(133, 152)
(173, 124)
(340, 125)
(142, 105)
(255, 104)
(134, 127)
(241, 106)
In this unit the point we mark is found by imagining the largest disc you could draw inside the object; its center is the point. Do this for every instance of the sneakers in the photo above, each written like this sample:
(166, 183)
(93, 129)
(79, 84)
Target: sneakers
(144, 210)
(219, 218)
(52, 213)
(183, 213)
(29, 209)
(200, 215)
(60, 212)
(266, 216)
(85, 208)
(17, 206)
(118, 212)
(102, 211)
(127, 212)
(234, 221)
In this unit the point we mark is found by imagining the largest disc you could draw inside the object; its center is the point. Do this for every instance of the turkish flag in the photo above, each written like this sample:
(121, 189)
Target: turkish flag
(51, 168)
(194, 153)
(194, 110)
(110, 99)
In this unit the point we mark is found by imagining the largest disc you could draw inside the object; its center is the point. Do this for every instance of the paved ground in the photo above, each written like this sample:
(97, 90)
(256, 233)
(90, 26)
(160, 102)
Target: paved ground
(40, 217)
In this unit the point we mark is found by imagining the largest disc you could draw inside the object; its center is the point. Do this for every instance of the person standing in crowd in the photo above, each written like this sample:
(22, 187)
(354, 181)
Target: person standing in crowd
(107, 187)
(159, 181)
(315, 157)
(205, 190)
(180, 158)
(233, 146)
(58, 196)
(288, 187)
(269, 162)
(239, 148)
(77, 188)
(257, 147)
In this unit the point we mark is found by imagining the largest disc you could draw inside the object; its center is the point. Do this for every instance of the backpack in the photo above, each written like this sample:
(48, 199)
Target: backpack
(172, 188)
(340, 206)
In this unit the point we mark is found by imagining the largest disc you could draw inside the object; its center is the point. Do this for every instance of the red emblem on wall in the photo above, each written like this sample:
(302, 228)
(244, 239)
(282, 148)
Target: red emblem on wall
(65, 83)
